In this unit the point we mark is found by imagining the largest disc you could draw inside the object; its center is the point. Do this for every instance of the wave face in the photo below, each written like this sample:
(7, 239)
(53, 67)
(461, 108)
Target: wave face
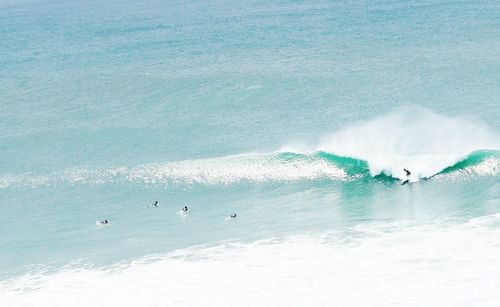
(413, 138)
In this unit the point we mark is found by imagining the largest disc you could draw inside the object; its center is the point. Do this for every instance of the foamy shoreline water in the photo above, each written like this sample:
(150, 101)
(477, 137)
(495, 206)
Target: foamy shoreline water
(395, 263)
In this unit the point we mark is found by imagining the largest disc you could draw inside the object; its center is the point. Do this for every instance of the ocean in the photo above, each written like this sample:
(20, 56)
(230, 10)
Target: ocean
(299, 117)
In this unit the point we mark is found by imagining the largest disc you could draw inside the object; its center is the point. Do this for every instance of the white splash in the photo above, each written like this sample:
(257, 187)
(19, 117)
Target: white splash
(413, 138)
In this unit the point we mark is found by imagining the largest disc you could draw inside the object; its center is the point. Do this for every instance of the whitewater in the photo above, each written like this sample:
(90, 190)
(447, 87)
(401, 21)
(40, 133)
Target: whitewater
(297, 119)
(313, 269)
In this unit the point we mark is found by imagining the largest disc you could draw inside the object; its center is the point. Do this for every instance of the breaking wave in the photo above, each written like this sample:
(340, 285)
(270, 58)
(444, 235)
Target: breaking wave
(426, 143)
(252, 168)
(416, 139)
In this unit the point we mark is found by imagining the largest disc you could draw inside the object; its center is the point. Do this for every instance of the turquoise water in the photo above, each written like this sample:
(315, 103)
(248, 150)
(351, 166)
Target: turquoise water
(297, 116)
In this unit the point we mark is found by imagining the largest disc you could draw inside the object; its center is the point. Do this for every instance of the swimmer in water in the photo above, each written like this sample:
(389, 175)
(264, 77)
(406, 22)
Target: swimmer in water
(233, 216)
(155, 204)
(185, 209)
(104, 222)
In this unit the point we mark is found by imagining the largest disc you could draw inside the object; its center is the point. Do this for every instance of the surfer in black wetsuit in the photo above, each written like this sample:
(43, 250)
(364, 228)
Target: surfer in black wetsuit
(155, 204)
(185, 209)
(408, 173)
(233, 216)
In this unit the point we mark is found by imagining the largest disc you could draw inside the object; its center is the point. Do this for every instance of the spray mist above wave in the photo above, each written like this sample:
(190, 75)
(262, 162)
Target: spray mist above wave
(414, 138)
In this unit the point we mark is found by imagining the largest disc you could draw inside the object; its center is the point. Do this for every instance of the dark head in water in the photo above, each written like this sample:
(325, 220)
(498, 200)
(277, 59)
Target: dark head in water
(185, 209)
(233, 216)
(155, 204)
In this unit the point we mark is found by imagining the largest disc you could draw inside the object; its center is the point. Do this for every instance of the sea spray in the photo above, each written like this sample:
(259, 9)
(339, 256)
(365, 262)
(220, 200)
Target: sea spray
(412, 137)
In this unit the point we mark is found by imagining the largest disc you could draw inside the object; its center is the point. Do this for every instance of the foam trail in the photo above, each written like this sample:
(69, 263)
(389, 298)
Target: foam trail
(413, 138)
(372, 264)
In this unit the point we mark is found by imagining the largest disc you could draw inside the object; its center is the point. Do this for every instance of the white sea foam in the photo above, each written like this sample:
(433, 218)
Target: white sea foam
(413, 138)
(372, 264)
(255, 168)
(232, 169)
